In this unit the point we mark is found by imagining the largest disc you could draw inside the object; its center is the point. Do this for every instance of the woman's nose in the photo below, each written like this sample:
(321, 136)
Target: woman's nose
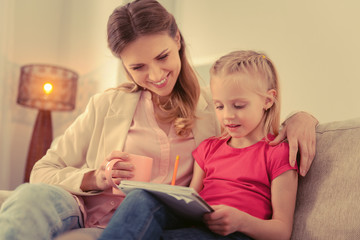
(155, 73)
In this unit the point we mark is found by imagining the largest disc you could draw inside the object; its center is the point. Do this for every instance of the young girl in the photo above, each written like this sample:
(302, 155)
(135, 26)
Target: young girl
(249, 183)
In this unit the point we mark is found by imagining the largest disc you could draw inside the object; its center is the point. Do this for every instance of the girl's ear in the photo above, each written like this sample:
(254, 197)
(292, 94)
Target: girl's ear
(270, 99)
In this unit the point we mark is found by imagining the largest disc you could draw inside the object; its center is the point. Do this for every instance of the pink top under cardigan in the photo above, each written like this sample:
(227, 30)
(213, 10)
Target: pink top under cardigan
(144, 138)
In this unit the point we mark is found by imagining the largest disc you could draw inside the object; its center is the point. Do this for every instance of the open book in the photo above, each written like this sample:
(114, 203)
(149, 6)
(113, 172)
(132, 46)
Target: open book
(184, 201)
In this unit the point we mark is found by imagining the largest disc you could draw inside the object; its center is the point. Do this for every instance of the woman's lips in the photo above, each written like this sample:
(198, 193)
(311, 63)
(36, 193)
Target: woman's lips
(162, 83)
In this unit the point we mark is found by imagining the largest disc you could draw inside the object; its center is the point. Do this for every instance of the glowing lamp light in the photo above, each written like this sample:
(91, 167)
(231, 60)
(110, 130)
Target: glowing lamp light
(48, 87)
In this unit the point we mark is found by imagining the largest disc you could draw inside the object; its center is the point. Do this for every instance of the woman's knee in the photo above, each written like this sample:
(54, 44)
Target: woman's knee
(41, 198)
(52, 209)
(39, 193)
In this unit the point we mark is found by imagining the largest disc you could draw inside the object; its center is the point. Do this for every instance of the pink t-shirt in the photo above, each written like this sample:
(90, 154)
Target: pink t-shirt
(241, 177)
(144, 138)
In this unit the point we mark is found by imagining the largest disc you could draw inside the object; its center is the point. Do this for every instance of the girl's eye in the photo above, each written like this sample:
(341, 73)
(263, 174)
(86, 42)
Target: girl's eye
(219, 107)
(239, 106)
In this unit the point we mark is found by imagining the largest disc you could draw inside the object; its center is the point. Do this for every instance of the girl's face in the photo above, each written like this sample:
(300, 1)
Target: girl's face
(153, 62)
(239, 109)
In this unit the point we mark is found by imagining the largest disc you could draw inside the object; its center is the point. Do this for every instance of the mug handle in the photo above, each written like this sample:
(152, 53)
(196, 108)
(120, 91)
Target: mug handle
(108, 172)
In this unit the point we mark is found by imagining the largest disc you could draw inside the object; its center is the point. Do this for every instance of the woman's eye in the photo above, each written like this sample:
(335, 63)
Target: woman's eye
(136, 68)
(163, 56)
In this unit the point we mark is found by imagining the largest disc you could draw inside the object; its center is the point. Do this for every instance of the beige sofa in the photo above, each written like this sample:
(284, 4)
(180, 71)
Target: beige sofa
(328, 205)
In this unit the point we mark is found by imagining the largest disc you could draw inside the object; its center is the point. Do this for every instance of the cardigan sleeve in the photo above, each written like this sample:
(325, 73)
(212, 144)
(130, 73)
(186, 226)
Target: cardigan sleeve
(65, 162)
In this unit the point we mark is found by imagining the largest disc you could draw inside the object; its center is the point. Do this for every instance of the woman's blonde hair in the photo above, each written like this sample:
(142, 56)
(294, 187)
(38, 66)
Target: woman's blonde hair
(251, 62)
(144, 17)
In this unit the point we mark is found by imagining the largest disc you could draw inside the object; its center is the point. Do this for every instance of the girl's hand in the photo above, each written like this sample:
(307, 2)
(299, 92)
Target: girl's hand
(96, 180)
(224, 220)
(299, 129)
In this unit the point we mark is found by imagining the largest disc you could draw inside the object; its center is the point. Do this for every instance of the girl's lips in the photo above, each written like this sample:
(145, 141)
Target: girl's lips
(232, 127)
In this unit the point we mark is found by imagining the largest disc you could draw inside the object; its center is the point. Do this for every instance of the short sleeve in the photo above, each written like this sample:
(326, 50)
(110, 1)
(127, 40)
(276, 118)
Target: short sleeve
(278, 161)
(202, 151)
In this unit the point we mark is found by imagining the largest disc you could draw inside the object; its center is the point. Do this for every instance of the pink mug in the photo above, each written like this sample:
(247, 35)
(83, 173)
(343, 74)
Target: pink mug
(142, 170)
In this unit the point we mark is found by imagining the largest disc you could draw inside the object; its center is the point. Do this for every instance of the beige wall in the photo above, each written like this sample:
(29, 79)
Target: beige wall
(314, 44)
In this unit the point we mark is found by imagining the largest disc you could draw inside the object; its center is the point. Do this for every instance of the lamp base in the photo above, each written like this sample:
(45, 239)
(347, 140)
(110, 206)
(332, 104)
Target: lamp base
(40, 141)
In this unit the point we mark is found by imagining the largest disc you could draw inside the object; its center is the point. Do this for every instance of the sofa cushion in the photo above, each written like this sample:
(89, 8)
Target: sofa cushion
(328, 205)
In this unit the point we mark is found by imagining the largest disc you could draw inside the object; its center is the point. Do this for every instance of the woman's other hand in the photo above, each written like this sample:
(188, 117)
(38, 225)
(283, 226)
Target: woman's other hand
(96, 180)
(299, 129)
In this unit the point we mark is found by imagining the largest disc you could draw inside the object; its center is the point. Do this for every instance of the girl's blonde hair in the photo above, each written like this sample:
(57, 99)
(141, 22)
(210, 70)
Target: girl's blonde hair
(251, 62)
(145, 17)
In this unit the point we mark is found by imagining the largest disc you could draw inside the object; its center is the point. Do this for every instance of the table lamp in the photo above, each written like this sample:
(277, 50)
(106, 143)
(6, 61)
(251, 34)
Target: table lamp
(46, 88)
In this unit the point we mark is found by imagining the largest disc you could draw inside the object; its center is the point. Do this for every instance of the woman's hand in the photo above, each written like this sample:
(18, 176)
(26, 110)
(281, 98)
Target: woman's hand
(300, 132)
(96, 180)
(224, 220)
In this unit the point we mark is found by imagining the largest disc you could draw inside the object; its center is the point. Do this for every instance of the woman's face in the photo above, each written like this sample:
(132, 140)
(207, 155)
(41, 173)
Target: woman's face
(153, 62)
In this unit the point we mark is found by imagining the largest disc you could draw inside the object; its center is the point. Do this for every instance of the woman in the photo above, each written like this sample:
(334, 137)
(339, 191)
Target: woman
(161, 112)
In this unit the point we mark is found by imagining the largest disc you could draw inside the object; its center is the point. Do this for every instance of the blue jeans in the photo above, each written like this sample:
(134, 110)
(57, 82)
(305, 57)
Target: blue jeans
(142, 216)
(38, 211)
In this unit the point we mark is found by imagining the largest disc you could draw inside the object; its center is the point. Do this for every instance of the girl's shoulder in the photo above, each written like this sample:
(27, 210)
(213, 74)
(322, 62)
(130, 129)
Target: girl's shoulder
(281, 145)
(208, 147)
(280, 150)
(212, 142)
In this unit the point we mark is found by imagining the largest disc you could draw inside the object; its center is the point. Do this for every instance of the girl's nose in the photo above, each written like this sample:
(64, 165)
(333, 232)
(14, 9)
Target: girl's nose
(228, 113)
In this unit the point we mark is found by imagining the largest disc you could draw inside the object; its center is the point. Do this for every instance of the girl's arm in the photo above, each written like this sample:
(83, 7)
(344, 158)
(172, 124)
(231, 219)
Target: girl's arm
(226, 220)
(197, 179)
(300, 131)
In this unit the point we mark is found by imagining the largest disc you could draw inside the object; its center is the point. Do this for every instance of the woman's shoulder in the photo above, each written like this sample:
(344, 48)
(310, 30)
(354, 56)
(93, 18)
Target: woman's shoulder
(114, 102)
(113, 95)
(108, 95)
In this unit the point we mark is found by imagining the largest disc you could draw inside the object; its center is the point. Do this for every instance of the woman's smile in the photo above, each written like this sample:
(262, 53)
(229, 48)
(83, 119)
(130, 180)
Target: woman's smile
(162, 83)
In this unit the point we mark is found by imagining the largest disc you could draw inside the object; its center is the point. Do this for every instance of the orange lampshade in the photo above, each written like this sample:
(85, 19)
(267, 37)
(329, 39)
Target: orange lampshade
(47, 87)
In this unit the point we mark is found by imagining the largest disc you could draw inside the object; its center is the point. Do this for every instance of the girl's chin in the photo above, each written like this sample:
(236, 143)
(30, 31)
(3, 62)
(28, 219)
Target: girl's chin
(236, 135)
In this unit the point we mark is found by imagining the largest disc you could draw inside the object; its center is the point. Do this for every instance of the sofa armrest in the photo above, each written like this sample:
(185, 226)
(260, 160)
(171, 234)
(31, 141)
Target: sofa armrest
(328, 196)
(4, 194)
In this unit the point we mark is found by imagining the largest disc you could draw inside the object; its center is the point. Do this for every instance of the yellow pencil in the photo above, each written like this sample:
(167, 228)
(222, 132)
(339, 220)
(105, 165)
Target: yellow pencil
(175, 170)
